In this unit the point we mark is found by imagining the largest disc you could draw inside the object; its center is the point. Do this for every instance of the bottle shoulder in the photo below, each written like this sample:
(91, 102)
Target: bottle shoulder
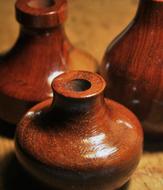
(138, 39)
(129, 55)
(28, 69)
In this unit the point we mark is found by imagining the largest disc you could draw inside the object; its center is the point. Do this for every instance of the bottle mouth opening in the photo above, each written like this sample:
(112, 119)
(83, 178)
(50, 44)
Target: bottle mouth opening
(78, 84)
(41, 13)
(41, 4)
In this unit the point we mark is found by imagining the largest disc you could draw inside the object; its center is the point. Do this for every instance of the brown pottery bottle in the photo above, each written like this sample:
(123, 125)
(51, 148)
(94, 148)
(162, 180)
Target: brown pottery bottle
(133, 67)
(79, 141)
(41, 52)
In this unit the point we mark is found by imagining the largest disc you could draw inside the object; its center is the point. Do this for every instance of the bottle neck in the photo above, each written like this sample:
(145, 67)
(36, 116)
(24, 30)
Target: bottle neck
(79, 93)
(150, 12)
(147, 1)
(150, 6)
(85, 106)
(55, 39)
(57, 31)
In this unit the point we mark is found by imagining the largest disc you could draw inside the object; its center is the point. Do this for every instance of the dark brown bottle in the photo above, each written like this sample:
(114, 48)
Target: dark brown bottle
(80, 140)
(41, 52)
(133, 67)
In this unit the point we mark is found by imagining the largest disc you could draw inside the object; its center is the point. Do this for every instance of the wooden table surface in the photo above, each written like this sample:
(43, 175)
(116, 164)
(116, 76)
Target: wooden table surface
(91, 29)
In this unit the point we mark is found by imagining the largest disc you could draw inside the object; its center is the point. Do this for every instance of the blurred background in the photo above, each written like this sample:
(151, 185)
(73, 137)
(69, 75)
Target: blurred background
(91, 24)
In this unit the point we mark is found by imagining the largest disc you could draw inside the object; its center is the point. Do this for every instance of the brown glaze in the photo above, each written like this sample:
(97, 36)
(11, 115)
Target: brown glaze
(132, 67)
(79, 141)
(41, 52)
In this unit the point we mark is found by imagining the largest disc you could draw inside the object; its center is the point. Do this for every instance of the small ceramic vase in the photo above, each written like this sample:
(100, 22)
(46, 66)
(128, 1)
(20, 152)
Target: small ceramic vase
(133, 67)
(79, 140)
(41, 52)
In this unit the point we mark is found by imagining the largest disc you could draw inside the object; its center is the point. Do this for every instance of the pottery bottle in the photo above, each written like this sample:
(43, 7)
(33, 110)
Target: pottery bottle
(133, 67)
(79, 140)
(41, 52)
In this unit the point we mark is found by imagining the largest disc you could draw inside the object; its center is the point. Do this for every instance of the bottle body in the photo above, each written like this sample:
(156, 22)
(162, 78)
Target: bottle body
(41, 52)
(132, 66)
(74, 146)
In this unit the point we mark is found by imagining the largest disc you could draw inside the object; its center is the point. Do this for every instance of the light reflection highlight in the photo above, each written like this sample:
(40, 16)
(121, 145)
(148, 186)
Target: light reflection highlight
(121, 122)
(53, 75)
(99, 149)
(50, 79)
(96, 140)
(135, 101)
(102, 152)
(30, 113)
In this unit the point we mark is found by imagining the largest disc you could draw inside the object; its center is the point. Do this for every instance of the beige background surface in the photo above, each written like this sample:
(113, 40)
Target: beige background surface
(91, 25)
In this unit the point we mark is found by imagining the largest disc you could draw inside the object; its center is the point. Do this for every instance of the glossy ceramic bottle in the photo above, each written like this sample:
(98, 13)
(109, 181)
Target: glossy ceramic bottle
(133, 67)
(79, 140)
(41, 52)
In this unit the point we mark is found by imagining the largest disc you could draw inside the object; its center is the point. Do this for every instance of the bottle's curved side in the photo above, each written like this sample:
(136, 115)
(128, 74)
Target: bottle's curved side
(132, 65)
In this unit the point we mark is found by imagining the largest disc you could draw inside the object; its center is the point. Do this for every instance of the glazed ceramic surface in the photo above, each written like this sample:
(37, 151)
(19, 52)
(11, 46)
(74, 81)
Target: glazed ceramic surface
(79, 140)
(132, 67)
(41, 52)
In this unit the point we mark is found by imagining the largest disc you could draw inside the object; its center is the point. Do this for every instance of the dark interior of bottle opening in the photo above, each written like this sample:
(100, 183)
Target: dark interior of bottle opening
(41, 3)
(78, 85)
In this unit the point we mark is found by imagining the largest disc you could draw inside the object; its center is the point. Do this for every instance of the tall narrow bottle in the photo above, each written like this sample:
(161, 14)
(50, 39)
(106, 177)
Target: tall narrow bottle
(133, 66)
(42, 51)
